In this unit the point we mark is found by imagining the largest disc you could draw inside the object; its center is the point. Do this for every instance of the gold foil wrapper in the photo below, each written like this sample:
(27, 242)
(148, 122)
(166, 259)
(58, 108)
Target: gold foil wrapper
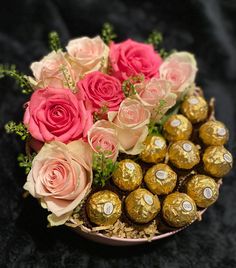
(128, 175)
(179, 209)
(160, 179)
(203, 190)
(217, 161)
(214, 133)
(177, 127)
(154, 149)
(184, 154)
(104, 208)
(195, 108)
(142, 206)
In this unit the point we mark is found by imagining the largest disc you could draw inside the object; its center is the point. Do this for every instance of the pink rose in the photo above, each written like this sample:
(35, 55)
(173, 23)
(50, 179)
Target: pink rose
(88, 54)
(103, 138)
(130, 123)
(131, 58)
(180, 69)
(57, 114)
(155, 95)
(102, 90)
(49, 71)
(61, 176)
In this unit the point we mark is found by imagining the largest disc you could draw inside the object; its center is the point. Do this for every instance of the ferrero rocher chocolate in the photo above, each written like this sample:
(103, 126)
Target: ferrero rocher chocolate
(214, 133)
(177, 127)
(154, 150)
(128, 175)
(142, 206)
(195, 108)
(217, 161)
(104, 208)
(203, 190)
(179, 209)
(184, 154)
(160, 179)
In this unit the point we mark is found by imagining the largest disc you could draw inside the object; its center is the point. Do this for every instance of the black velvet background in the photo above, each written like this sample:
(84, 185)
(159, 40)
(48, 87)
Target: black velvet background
(205, 27)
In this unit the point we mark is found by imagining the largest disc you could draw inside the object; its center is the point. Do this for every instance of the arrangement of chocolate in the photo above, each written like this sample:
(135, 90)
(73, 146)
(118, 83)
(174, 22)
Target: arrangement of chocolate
(175, 176)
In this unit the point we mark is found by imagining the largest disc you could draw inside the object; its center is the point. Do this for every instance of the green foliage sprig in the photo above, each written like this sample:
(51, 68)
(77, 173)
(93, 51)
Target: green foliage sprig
(107, 33)
(21, 79)
(25, 161)
(69, 81)
(103, 168)
(128, 86)
(54, 41)
(18, 129)
(100, 114)
(156, 39)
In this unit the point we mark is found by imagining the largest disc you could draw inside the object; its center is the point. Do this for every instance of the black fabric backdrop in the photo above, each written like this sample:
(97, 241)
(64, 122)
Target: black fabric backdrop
(205, 27)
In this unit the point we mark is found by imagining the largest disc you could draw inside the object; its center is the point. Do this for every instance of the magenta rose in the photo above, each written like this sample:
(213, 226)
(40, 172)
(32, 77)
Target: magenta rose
(131, 58)
(101, 90)
(57, 114)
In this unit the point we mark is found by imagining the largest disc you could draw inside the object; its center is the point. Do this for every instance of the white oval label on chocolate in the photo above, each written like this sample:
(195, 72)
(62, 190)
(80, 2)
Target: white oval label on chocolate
(187, 147)
(108, 208)
(228, 158)
(221, 131)
(207, 192)
(187, 206)
(175, 123)
(148, 199)
(193, 101)
(130, 166)
(161, 175)
(158, 143)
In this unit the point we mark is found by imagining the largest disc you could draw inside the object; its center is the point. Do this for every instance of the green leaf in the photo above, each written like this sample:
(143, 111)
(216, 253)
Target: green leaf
(21, 79)
(128, 85)
(18, 129)
(54, 41)
(25, 161)
(107, 33)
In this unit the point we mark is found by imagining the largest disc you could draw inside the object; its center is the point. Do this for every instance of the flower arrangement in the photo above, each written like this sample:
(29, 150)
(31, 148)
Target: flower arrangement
(119, 139)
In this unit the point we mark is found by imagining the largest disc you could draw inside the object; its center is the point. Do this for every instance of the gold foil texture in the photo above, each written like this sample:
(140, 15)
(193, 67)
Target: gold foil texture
(160, 179)
(179, 209)
(104, 208)
(142, 206)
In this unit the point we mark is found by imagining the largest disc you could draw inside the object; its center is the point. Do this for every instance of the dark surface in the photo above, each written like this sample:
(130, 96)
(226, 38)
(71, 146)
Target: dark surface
(208, 29)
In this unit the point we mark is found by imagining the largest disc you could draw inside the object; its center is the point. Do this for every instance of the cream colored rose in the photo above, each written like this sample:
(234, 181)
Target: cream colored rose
(102, 137)
(50, 71)
(180, 69)
(131, 123)
(156, 96)
(61, 176)
(88, 54)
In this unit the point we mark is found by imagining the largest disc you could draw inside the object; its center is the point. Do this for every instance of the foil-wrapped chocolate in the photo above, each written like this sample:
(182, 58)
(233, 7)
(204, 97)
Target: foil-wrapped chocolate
(184, 154)
(103, 208)
(142, 206)
(154, 149)
(203, 190)
(195, 108)
(177, 127)
(214, 133)
(128, 175)
(160, 179)
(179, 209)
(217, 161)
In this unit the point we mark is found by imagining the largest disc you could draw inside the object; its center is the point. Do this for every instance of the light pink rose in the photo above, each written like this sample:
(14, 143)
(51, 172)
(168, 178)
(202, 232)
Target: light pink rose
(49, 71)
(88, 54)
(102, 137)
(57, 114)
(130, 123)
(156, 96)
(180, 69)
(130, 58)
(101, 90)
(61, 176)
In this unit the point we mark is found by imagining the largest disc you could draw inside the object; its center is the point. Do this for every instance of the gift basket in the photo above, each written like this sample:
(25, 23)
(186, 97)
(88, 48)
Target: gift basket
(121, 145)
